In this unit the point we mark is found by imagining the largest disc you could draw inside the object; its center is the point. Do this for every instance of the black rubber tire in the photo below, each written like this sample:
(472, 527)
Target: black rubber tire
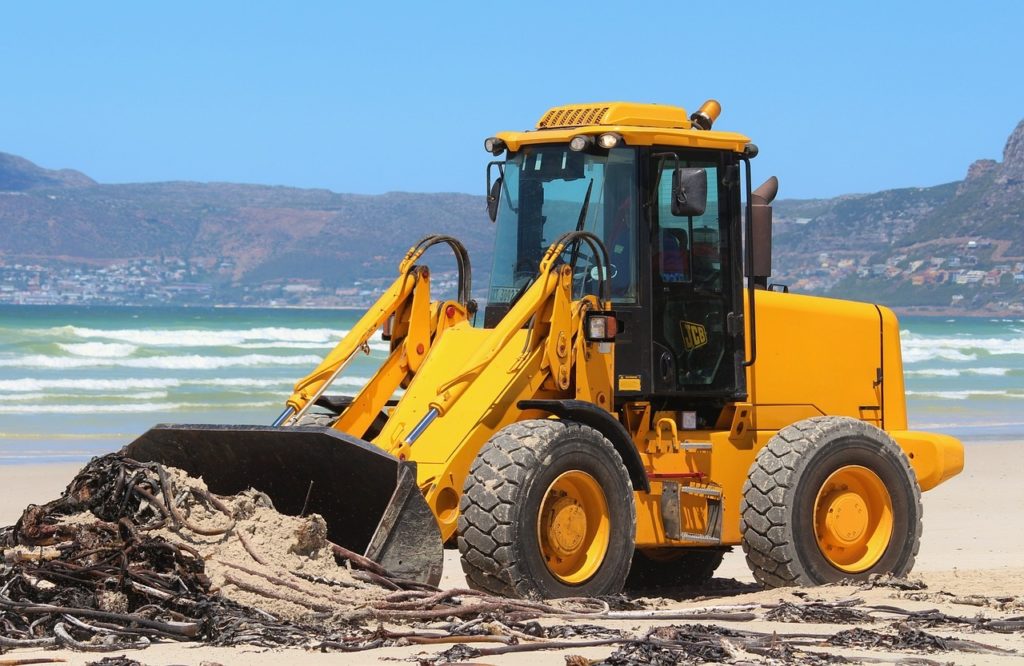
(497, 529)
(319, 419)
(777, 521)
(674, 567)
(325, 420)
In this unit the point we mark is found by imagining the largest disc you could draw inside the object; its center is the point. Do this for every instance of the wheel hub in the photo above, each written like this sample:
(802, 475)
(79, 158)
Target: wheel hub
(567, 526)
(853, 518)
(847, 517)
(573, 527)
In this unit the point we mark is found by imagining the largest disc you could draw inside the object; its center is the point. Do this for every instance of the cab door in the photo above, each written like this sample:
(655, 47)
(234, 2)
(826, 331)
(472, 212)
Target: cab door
(692, 284)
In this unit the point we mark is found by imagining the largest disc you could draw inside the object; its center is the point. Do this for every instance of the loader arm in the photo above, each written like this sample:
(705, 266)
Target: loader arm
(415, 323)
(470, 386)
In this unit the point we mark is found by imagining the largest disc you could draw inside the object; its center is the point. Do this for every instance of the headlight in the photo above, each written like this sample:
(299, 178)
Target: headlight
(494, 145)
(601, 327)
(581, 143)
(609, 140)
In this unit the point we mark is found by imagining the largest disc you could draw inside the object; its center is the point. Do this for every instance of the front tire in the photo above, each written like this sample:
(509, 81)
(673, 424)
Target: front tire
(547, 511)
(829, 499)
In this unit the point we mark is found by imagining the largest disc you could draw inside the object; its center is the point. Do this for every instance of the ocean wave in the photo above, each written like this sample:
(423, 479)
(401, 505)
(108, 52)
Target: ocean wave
(131, 407)
(193, 337)
(25, 397)
(43, 456)
(917, 344)
(957, 372)
(966, 394)
(272, 344)
(22, 397)
(99, 349)
(239, 382)
(40, 384)
(182, 362)
(920, 355)
(6, 437)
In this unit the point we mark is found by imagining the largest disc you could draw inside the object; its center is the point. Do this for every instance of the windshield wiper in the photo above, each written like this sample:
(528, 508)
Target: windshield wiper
(579, 223)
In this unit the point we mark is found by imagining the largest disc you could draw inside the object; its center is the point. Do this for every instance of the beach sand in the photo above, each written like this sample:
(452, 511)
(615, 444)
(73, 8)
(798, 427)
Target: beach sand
(972, 545)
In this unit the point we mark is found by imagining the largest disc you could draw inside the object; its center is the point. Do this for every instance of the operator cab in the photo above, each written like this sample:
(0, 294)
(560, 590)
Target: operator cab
(675, 272)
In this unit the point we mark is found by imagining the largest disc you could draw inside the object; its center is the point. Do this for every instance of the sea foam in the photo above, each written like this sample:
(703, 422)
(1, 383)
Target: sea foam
(201, 337)
(99, 349)
(966, 394)
(180, 362)
(917, 348)
(130, 407)
(957, 372)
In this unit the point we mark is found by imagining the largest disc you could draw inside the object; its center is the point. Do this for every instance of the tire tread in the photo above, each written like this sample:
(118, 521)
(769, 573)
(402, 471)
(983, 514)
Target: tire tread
(768, 539)
(496, 480)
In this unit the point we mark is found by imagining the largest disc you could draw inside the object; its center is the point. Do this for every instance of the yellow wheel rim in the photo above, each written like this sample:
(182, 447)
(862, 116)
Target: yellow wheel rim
(573, 527)
(853, 518)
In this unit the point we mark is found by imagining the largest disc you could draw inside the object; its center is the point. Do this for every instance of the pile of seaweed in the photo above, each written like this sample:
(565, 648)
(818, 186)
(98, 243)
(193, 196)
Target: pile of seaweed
(133, 553)
(116, 562)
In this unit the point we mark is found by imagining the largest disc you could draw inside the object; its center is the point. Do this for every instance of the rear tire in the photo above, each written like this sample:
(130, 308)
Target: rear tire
(547, 511)
(829, 499)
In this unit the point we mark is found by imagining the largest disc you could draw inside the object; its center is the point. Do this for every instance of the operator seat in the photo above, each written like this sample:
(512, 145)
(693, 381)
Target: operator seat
(673, 257)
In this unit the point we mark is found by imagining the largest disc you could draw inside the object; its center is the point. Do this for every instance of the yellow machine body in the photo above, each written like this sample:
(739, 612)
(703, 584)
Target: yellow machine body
(448, 387)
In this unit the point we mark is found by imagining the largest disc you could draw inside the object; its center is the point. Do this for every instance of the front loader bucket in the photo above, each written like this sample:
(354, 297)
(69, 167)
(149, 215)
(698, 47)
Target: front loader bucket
(369, 498)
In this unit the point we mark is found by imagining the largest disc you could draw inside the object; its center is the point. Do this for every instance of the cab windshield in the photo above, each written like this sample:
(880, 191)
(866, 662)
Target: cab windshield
(543, 195)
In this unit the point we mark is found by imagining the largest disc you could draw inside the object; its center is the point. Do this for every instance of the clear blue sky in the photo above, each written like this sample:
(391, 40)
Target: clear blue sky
(378, 96)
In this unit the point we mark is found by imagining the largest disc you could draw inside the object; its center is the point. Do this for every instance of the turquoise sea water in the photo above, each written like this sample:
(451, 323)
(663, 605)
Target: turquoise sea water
(76, 382)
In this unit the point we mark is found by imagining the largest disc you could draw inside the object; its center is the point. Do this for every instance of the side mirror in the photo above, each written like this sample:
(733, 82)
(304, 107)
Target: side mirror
(689, 192)
(493, 197)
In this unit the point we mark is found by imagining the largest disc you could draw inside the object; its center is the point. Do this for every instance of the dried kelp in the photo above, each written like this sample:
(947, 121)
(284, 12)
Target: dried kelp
(817, 613)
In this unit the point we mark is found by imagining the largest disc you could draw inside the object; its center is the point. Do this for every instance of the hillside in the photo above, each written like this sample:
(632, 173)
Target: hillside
(227, 235)
(958, 245)
(68, 238)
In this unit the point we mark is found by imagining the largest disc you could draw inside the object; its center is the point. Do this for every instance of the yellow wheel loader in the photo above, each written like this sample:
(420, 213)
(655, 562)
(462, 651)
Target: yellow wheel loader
(637, 394)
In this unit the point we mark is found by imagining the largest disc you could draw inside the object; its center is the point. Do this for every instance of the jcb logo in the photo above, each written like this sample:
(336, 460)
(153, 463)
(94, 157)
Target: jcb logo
(694, 335)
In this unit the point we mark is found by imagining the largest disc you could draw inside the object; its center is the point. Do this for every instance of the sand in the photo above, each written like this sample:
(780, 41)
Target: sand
(972, 545)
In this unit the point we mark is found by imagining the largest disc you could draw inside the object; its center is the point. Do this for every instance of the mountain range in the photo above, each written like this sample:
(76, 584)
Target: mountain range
(906, 247)
(914, 247)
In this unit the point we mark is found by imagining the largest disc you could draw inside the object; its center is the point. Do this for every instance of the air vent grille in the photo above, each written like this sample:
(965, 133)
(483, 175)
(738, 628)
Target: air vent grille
(572, 116)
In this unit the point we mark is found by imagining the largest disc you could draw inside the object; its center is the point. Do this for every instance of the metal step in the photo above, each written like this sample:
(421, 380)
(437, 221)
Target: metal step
(695, 446)
(711, 493)
(698, 538)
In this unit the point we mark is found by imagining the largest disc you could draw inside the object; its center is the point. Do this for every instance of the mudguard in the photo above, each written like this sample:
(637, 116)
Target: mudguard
(368, 497)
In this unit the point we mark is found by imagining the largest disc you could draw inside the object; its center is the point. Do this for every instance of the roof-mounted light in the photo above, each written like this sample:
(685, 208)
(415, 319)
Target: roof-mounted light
(610, 140)
(581, 143)
(494, 145)
(706, 115)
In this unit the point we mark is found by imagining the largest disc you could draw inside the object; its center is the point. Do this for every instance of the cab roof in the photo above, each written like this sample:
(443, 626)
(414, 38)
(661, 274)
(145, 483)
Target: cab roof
(639, 125)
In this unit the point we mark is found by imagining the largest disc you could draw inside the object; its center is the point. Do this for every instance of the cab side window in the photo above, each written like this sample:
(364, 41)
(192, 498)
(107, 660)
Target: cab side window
(687, 249)
(689, 305)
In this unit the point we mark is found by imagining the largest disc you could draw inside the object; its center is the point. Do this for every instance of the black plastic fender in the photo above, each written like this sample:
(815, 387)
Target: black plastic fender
(605, 423)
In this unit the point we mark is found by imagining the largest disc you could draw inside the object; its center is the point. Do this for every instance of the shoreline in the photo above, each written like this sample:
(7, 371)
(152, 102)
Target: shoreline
(923, 311)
